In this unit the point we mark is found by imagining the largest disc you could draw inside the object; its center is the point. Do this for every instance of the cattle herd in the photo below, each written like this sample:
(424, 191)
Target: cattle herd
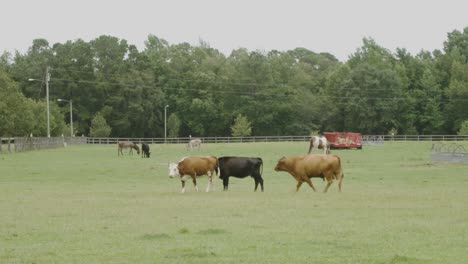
(301, 167)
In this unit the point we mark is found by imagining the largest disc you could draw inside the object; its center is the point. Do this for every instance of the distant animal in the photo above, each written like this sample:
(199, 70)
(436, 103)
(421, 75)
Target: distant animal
(304, 167)
(127, 144)
(193, 167)
(240, 167)
(195, 142)
(320, 142)
(145, 150)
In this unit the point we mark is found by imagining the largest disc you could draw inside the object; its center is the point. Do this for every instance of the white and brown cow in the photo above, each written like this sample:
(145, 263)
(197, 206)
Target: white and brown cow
(194, 167)
(304, 167)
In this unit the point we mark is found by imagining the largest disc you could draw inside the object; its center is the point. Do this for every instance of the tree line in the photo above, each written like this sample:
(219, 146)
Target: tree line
(120, 91)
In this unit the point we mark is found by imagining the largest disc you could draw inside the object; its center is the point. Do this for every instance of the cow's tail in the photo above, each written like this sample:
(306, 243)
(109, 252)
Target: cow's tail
(218, 172)
(339, 175)
(311, 145)
(261, 164)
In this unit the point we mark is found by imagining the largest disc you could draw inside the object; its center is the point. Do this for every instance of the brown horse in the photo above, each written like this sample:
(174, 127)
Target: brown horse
(125, 145)
(319, 142)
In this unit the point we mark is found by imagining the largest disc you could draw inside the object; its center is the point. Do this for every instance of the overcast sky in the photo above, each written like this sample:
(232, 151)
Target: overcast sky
(321, 26)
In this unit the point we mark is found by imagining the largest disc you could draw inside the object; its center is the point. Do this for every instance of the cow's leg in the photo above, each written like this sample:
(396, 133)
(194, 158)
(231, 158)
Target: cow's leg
(210, 181)
(183, 186)
(194, 180)
(258, 180)
(213, 180)
(340, 180)
(299, 183)
(225, 183)
(329, 178)
(327, 186)
(307, 179)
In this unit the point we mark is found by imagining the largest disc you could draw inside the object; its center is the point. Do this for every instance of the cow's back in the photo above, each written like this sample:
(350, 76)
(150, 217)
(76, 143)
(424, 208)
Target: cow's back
(316, 164)
(238, 166)
(197, 165)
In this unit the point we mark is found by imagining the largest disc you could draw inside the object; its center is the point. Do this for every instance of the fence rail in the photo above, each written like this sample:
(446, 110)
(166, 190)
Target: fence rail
(379, 139)
(8, 144)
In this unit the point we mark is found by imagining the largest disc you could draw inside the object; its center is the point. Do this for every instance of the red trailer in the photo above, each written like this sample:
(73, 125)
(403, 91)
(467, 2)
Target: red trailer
(344, 140)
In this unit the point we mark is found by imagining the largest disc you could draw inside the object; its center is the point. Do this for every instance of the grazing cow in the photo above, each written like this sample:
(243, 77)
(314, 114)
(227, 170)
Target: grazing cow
(240, 167)
(304, 167)
(127, 144)
(195, 142)
(145, 150)
(194, 167)
(320, 142)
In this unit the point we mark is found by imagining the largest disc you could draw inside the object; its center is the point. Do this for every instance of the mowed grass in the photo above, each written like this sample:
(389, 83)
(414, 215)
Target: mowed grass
(83, 204)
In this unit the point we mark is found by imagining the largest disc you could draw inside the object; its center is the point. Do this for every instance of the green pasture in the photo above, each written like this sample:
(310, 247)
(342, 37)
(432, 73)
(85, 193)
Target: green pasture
(83, 204)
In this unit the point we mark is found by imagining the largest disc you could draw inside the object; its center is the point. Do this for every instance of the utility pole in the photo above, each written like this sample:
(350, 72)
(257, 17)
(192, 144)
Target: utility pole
(165, 122)
(71, 119)
(47, 100)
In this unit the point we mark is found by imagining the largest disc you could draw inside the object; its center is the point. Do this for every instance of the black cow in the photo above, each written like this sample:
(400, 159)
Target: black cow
(240, 167)
(145, 150)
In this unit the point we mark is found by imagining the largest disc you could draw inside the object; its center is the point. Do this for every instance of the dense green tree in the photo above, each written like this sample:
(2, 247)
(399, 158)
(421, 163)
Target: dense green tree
(173, 125)
(280, 93)
(241, 127)
(16, 113)
(463, 128)
(99, 127)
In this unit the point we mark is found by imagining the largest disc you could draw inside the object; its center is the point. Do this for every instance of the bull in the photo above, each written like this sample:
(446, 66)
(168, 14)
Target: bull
(305, 167)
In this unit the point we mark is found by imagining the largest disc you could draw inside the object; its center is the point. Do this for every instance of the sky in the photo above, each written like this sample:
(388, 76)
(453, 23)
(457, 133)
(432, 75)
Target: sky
(334, 26)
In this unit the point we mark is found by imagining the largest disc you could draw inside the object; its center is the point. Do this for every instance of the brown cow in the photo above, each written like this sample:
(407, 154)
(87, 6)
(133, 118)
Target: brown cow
(127, 144)
(194, 167)
(304, 167)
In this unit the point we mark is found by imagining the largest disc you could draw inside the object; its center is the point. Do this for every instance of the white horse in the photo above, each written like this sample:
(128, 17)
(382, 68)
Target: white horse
(319, 142)
(196, 142)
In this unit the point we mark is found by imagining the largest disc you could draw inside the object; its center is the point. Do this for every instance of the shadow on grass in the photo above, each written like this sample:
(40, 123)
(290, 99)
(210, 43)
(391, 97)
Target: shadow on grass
(155, 236)
(189, 253)
(397, 259)
(212, 231)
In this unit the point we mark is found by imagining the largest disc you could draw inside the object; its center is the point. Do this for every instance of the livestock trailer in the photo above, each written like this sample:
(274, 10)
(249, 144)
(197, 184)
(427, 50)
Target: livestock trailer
(344, 140)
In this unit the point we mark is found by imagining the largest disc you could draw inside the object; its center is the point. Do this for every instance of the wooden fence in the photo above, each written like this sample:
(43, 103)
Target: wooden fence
(23, 144)
(365, 139)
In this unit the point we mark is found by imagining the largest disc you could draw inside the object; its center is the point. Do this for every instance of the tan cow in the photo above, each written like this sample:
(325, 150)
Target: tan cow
(194, 167)
(304, 167)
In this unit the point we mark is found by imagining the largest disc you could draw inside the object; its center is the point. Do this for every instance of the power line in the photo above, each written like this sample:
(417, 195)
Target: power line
(254, 94)
(259, 84)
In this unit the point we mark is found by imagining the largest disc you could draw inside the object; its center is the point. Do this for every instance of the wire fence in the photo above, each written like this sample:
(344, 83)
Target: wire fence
(19, 144)
(448, 152)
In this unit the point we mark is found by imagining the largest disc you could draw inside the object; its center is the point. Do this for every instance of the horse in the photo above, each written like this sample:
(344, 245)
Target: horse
(319, 142)
(196, 142)
(127, 144)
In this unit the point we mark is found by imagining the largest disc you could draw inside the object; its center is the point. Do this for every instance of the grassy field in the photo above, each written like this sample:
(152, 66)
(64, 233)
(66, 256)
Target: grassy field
(83, 204)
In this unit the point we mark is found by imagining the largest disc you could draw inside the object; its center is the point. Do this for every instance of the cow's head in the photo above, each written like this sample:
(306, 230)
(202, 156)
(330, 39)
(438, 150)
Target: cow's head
(281, 166)
(173, 170)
